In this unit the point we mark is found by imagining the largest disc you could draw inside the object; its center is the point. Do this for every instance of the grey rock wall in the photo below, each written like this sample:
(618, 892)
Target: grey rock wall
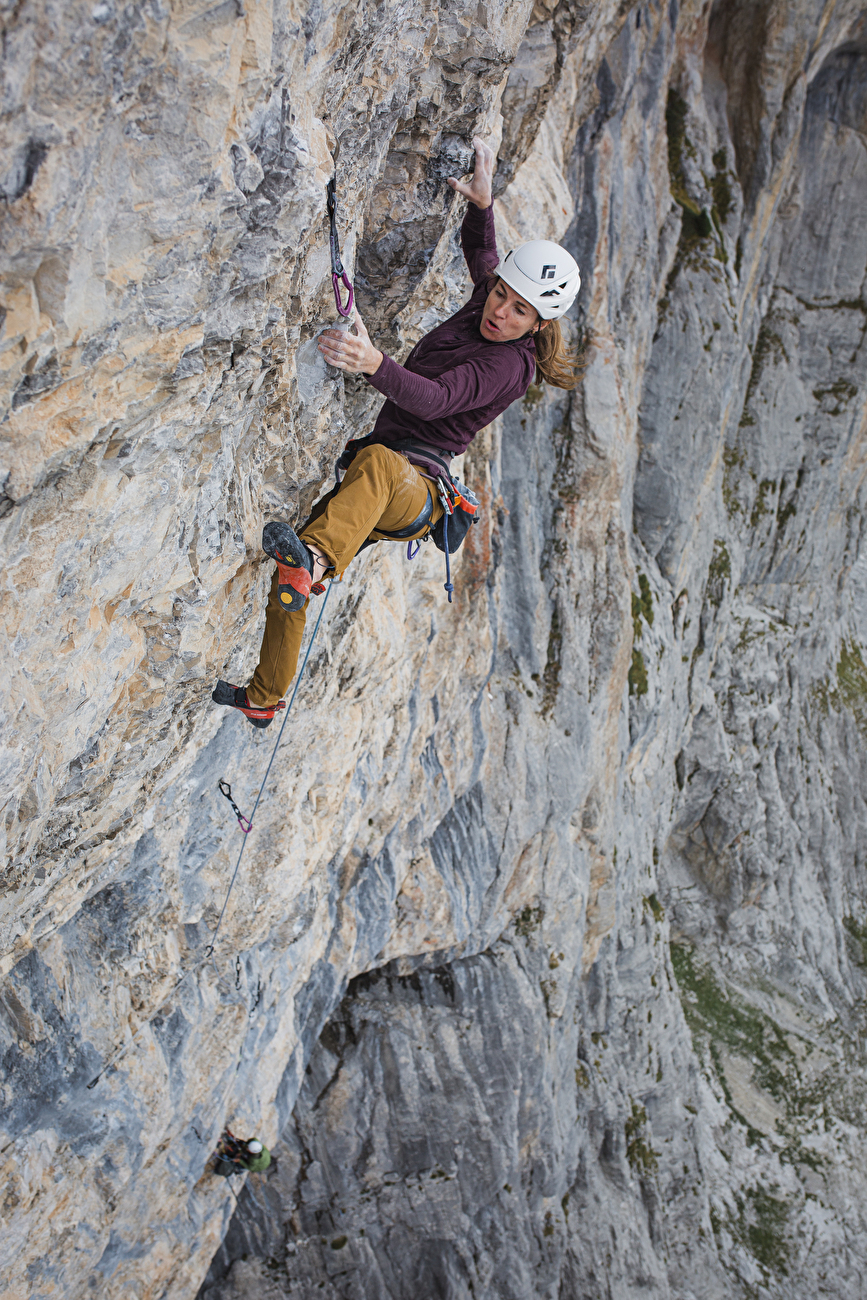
(544, 973)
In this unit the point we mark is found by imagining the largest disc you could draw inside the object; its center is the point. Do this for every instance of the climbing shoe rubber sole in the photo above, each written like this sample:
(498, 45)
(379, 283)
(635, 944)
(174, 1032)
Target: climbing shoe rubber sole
(294, 565)
(235, 697)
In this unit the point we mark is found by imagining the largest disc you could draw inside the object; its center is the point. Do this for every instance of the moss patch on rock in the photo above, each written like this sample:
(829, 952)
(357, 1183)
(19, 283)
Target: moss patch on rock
(719, 573)
(639, 1152)
(847, 689)
(761, 507)
(551, 675)
(733, 461)
(637, 676)
(528, 921)
(722, 1021)
(768, 348)
(723, 200)
(760, 1226)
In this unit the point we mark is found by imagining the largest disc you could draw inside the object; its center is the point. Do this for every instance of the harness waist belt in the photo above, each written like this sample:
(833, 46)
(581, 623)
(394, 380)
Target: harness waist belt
(434, 459)
(424, 518)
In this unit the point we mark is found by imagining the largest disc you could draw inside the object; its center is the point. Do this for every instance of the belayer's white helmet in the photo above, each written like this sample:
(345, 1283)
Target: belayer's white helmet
(254, 1146)
(544, 275)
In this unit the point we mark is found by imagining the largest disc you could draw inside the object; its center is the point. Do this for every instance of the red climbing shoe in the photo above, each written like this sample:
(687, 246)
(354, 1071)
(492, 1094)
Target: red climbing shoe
(235, 697)
(294, 565)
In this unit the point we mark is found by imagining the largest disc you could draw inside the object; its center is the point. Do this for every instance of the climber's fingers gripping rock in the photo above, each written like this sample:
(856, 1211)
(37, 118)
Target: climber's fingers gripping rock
(353, 353)
(479, 189)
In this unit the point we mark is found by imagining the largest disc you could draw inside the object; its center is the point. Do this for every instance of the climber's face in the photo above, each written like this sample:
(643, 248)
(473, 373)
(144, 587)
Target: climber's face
(506, 316)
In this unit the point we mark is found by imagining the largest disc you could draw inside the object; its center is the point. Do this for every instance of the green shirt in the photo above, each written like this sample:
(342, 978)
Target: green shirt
(256, 1164)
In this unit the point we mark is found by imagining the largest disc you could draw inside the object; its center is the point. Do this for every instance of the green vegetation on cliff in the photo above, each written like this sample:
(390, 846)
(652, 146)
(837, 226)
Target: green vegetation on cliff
(847, 689)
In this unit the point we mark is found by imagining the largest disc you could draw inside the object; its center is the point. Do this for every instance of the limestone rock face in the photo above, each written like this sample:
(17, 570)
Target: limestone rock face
(545, 967)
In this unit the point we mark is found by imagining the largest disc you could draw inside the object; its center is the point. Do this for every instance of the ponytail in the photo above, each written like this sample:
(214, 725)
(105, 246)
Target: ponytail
(554, 363)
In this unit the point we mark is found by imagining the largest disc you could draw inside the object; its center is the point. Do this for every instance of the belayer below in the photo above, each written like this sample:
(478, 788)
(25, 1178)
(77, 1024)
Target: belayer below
(240, 1156)
(455, 381)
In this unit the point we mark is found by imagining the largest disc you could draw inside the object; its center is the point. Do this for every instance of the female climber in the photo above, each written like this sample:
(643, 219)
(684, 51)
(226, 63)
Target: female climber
(456, 380)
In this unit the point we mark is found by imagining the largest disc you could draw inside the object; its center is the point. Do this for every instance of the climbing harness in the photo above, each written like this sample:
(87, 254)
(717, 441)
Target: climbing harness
(460, 505)
(432, 461)
(424, 517)
(338, 272)
(226, 791)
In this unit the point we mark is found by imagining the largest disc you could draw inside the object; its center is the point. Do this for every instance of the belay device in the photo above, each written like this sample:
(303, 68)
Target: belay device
(338, 272)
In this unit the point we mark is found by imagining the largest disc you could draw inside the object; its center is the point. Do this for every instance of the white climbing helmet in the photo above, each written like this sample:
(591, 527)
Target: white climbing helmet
(544, 274)
(254, 1146)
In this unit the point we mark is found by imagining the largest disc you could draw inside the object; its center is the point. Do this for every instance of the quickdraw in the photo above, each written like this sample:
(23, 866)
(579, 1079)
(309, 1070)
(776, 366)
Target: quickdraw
(338, 273)
(226, 791)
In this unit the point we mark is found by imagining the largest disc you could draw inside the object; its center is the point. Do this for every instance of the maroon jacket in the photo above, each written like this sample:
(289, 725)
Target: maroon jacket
(454, 382)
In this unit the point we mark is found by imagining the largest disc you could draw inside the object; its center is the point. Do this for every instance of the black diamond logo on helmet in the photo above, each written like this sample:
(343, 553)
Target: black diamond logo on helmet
(548, 272)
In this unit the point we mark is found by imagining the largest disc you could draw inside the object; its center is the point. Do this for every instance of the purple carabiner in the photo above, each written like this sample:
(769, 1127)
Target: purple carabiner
(336, 280)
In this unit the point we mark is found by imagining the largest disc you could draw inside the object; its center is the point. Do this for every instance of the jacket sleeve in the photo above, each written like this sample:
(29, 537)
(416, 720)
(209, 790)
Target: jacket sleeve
(479, 241)
(482, 382)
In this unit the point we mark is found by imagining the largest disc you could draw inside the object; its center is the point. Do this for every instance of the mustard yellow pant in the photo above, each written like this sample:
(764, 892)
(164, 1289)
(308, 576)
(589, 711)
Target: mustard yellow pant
(381, 489)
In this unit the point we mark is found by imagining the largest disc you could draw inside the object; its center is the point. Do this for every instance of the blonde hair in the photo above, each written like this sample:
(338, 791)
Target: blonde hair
(555, 364)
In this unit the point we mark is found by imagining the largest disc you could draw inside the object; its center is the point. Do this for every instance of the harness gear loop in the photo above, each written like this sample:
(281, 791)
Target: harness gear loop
(338, 272)
(226, 791)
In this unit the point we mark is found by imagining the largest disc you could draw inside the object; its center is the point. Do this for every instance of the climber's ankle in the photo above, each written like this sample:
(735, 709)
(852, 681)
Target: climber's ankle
(321, 562)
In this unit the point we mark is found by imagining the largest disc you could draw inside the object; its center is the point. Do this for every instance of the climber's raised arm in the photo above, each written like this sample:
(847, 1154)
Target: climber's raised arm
(478, 191)
(477, 232)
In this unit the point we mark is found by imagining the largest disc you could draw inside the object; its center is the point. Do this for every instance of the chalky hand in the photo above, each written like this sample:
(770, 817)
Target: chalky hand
(352, 353)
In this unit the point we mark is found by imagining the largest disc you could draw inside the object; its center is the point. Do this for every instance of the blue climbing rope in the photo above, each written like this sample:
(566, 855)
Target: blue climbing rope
(449, 586)
(209, 951)
(252, 817)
